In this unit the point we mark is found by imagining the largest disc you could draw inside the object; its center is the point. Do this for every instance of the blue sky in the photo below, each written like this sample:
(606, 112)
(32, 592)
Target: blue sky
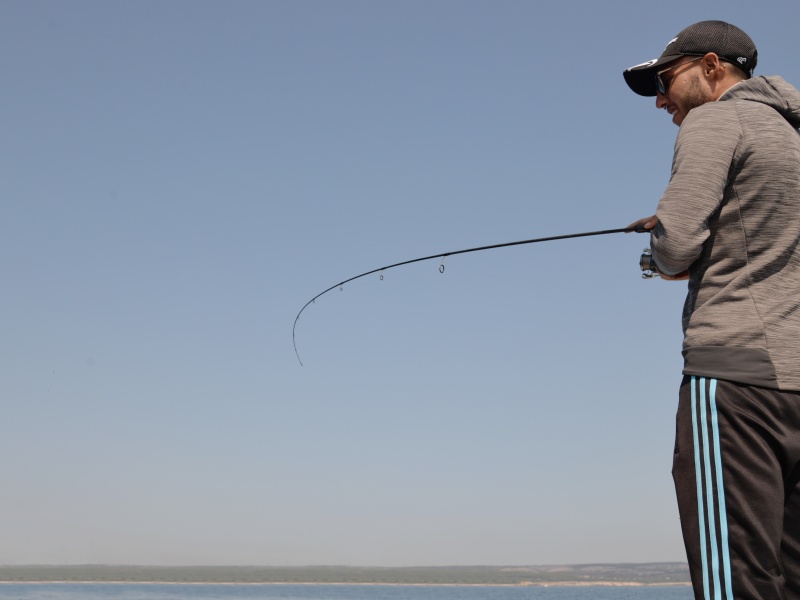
(180, 178)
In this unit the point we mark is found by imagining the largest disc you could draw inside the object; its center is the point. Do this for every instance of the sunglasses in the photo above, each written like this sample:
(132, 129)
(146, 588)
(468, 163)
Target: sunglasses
(662, 87)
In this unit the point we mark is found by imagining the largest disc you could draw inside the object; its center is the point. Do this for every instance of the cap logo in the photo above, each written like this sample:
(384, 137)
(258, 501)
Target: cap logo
(675, 39)
(741, 60)
(644, 65)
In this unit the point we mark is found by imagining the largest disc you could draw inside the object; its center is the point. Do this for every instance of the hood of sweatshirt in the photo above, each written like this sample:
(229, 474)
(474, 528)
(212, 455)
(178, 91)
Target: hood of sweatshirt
(773, 91)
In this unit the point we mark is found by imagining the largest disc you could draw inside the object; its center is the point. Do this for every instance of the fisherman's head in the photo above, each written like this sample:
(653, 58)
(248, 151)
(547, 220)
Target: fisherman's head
(697, 66)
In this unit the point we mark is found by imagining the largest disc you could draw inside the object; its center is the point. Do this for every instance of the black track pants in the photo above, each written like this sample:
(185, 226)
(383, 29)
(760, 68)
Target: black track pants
(737, 477)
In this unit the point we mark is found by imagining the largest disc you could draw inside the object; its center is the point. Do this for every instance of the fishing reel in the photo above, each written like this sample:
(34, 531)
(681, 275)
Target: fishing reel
(648, 264)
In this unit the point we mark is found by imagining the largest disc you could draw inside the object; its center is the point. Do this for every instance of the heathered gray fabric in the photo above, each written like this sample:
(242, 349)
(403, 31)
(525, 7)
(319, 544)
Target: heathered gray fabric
(731, 216)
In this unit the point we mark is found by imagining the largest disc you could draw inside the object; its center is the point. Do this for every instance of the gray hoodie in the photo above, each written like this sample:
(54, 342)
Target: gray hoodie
(731, 216)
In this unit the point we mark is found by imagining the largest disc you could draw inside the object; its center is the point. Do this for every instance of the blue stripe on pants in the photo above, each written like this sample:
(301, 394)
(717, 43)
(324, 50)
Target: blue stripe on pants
(711, 509)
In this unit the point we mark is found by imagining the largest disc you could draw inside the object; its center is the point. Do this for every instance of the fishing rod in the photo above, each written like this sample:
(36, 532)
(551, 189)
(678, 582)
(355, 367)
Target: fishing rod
(443, 255)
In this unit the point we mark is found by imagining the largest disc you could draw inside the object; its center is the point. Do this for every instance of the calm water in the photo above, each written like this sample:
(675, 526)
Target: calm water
(330, 592)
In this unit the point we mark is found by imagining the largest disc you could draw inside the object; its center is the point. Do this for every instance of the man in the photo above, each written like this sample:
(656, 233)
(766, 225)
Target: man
(729, 222)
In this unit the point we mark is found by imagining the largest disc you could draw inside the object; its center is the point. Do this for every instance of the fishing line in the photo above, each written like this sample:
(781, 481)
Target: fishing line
(443, 255)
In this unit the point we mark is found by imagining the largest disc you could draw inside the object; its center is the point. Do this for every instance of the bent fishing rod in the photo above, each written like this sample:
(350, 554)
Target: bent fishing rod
(648, 267)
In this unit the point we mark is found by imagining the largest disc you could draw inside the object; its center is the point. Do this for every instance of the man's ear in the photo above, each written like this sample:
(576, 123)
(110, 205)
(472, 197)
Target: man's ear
(713, 68)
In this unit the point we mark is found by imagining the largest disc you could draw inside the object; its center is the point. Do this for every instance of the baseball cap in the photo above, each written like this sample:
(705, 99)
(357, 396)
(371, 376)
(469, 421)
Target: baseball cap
(727, 41)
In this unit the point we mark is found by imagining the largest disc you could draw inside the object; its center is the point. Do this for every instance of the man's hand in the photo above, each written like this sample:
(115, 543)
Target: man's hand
(648, 223)
(682, 276)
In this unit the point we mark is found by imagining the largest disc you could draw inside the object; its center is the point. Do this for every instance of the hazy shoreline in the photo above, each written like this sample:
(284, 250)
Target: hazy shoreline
(314, 583)
(627, 574)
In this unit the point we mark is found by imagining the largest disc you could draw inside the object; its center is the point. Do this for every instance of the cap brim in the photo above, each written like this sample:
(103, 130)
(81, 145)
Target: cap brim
(642, 78)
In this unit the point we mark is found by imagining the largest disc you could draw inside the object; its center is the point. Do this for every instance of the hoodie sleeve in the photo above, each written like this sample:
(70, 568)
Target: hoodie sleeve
(702, 163)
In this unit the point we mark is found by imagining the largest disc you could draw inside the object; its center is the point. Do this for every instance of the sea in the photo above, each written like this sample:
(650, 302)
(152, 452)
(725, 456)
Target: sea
(135, 591)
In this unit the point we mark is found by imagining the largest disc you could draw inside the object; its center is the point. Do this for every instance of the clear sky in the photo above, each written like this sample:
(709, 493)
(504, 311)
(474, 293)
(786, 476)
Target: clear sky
(179, 178)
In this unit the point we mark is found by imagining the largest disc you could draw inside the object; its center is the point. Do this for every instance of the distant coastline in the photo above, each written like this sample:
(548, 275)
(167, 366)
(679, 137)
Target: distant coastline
(224, 583)
(627, 574)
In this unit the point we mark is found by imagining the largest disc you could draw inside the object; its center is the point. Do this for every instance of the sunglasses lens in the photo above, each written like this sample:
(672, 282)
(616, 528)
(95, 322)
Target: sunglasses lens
(662, 89)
